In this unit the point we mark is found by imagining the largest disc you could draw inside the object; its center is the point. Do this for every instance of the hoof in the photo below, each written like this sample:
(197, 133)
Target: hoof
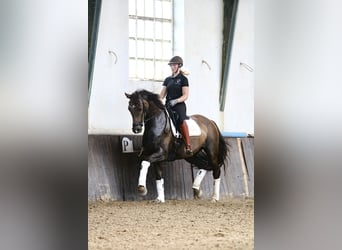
(197, 194)
(213, 200)
(142, 190)
(157, 201)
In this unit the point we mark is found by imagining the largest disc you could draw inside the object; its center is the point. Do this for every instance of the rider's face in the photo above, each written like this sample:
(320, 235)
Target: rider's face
(174, 68)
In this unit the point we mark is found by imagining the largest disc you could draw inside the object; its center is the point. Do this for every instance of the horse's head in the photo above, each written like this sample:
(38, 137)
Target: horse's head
(136, 108)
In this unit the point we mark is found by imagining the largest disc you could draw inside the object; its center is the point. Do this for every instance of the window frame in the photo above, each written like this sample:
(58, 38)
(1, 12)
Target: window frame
(136, 76)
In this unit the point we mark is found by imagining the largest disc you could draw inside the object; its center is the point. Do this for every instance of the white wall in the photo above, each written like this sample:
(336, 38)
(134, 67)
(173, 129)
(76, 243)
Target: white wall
(239, 109)
(108, 106)
(198, 34)
(203, 41)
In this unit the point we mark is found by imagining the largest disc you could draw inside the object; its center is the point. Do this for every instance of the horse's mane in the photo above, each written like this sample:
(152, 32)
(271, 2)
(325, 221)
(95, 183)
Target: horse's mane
(150, 97)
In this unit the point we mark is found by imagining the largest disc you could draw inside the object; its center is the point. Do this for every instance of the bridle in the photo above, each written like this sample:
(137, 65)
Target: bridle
(143, 120)
(138, 124)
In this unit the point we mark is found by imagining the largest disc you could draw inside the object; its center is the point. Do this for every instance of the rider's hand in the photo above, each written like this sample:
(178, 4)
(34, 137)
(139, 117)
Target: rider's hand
(173, 102)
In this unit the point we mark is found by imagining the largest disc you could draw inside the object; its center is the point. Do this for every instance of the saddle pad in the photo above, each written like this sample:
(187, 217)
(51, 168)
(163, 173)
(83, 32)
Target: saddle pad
(194, 129)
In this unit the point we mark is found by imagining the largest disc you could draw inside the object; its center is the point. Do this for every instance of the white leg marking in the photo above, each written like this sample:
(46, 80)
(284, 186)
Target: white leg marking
(160, 190)
(216, 195)
(143, 173)
(199, 177)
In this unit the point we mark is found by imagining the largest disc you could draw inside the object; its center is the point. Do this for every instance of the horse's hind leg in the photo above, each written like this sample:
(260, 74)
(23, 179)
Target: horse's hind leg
(212, 151)
(217, 182)
(159, 183)
(197, 182)
(200, 160)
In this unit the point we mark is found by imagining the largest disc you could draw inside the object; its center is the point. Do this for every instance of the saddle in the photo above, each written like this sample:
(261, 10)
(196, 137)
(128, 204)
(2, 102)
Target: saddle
(194, 129)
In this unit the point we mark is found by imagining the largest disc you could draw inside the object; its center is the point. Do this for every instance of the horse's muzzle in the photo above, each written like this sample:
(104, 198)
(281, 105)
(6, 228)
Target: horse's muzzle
(137, 128)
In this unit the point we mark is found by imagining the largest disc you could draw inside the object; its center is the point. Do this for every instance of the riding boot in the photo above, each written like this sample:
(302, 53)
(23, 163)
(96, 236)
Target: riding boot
(185, 133)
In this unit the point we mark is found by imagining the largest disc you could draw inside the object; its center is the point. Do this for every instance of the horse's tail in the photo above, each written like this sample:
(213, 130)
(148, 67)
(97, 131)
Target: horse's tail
(223, 150)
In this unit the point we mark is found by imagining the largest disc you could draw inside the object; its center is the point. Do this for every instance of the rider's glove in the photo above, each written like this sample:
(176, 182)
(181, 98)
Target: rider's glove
(173, 102)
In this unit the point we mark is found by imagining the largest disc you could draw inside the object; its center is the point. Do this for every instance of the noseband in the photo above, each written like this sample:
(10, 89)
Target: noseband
(143, 121)
(138, 124)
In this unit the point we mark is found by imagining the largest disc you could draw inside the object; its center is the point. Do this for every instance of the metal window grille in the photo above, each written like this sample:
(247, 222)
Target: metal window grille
(150, 38)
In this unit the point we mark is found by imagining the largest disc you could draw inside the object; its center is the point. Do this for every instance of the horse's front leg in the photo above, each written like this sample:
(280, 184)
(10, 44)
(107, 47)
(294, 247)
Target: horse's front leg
(159, 183)
(142, 177)
(145, 164)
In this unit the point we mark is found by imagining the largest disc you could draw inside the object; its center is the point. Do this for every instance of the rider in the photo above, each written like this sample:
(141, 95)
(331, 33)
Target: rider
(176, 89)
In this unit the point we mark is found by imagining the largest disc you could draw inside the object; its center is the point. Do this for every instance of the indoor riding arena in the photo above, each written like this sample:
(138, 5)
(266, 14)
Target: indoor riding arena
(130, 45)
(118, 218)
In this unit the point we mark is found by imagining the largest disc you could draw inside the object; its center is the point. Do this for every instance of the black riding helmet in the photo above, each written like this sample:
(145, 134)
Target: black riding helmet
(176, 60)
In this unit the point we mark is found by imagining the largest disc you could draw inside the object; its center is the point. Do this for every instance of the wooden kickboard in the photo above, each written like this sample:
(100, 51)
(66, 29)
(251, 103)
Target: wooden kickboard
(114, 175)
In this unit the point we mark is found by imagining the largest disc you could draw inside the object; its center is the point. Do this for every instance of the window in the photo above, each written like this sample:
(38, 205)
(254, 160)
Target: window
(150, 39)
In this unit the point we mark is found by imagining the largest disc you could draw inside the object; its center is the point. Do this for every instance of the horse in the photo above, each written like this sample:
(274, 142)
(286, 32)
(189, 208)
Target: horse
(160, 145)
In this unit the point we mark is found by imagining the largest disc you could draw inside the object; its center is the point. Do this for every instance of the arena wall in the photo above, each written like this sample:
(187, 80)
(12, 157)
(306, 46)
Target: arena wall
(113, 174)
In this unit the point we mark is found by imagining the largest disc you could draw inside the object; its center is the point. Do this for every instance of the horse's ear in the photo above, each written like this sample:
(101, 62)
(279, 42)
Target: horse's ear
(128, 96)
